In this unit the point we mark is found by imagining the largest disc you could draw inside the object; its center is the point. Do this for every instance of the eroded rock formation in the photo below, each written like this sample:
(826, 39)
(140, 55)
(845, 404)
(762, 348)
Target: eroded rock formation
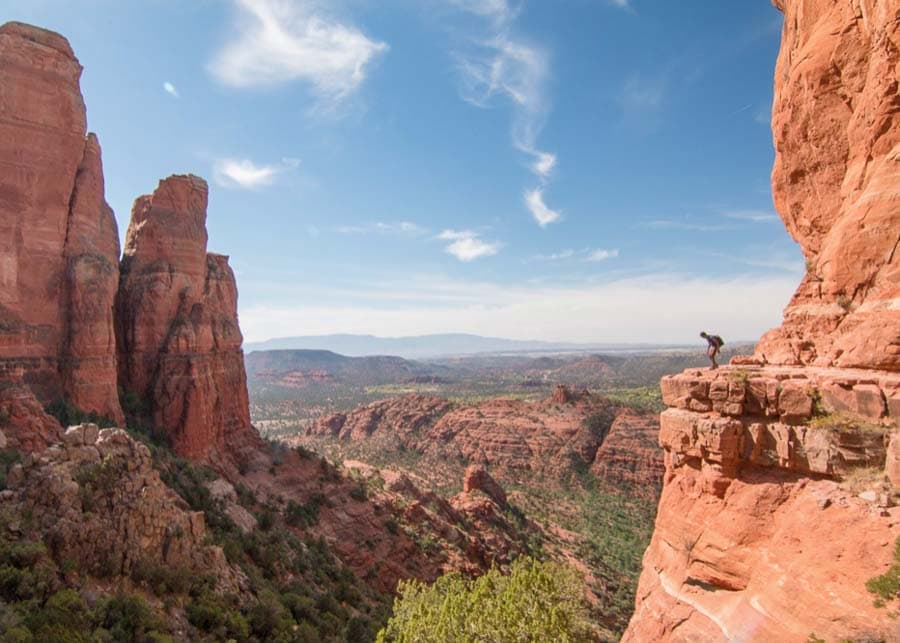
(177, 329)
(835, 182)
(757, 538)
(782, 469)
(59, 245)
(515, 437)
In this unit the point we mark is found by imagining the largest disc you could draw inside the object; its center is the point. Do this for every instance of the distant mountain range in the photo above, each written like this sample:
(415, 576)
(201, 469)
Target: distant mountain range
(442, 345)
(300, 367)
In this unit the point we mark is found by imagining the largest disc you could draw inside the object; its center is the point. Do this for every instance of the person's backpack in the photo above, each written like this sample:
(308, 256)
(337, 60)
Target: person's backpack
(718, 340)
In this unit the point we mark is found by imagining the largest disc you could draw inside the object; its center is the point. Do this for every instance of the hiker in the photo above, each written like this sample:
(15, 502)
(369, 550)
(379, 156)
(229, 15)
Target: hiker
(715, 344)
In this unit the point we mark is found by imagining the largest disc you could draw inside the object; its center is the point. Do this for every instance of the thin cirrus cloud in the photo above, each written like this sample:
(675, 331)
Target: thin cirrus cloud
(602, 255)
(245, 174)
(544, 216)
(171, 90)
(755, 216)
(508, 67)
(585, 254)
(279, 41)
(405, 228)
(467, 245)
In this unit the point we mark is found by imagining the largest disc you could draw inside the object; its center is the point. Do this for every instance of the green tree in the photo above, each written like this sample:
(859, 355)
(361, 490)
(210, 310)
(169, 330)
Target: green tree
(534, 602)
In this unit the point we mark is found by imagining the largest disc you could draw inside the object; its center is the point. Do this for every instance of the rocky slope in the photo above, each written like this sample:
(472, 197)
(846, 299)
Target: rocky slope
(59, 245)
(781, 469)
(97, 498)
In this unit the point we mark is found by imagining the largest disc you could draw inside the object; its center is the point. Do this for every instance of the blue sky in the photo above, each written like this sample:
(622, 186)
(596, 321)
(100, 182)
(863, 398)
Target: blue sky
(582, 170)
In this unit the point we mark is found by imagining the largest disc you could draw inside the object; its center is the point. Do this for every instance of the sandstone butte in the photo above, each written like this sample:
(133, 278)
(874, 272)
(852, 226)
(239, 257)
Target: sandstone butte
(179, 344)
(59, 247)
(756, 539)
(75, 324)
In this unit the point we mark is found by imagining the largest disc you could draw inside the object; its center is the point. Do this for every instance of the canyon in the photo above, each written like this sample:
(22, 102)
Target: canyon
(779, 471)
(781, 468)
(190, 505)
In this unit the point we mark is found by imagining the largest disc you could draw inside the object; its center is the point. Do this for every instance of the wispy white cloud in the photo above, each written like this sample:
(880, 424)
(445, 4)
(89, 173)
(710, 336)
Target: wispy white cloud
(498, 10)
(621, 4)
(244, 173)
(407, 228)
(740, 307)
(601, 254)
(170, 89)
(508, 67)
(544, 216)
(279, 41)
(568, 253)
(467, 245)
(756, 216)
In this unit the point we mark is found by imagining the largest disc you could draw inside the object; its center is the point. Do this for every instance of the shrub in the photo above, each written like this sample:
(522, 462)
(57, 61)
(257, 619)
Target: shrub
(887, 586)
(211, 613)
(535, 602)
(358, 493)
(307, 514)
(127, 618)
(68, 415)
(8, 457)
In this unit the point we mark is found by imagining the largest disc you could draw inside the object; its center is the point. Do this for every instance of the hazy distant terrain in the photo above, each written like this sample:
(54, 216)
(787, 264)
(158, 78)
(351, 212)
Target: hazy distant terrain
(290, 387)
(429, 346)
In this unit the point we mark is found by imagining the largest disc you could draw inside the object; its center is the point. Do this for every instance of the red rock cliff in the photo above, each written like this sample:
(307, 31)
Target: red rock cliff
(59, 245)
(778, 496)
(835, 181)
(176, 314)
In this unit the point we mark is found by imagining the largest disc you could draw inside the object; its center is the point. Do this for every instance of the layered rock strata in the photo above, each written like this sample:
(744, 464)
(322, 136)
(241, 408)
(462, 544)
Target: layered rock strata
(756, 537)
(781, 470)
(59, 245)
(835, 182)
(516, 437)
(178, 336)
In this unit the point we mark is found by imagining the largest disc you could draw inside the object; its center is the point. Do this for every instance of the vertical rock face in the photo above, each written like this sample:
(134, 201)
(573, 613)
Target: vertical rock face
(176, 312)
(836, 126)
(761, 534)
(58, 238)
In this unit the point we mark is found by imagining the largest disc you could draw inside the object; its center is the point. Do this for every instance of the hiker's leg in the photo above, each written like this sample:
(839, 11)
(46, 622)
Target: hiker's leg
(711, 354)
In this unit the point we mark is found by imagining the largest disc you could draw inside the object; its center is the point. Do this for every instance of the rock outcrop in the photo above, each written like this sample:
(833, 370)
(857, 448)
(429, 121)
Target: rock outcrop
(59, 245)
(777, 501)
(178, 337)
(476, 478)
(837, 166)
(96, 498)
(26, 425)
(756, 539)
